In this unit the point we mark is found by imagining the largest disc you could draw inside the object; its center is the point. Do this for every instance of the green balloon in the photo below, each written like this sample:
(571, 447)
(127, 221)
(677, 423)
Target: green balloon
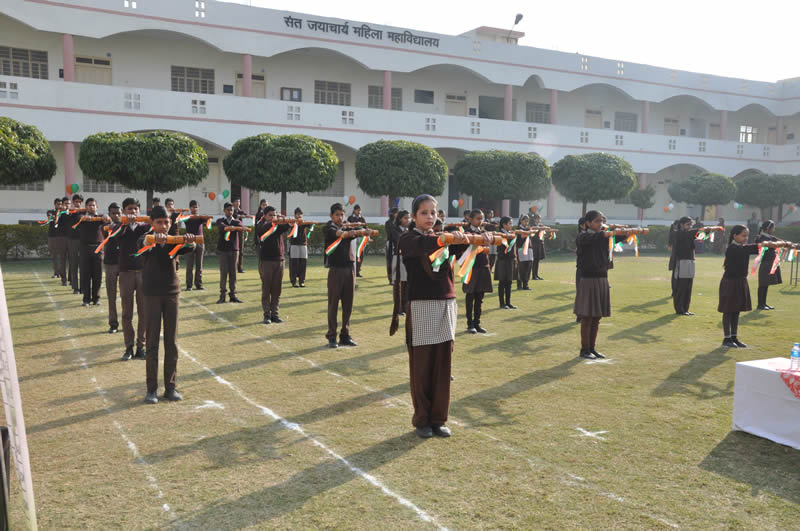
(225, 194)
(75, 188)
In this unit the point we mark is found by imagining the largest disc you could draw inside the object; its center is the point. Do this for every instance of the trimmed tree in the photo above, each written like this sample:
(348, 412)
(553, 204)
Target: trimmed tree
(25, 155)
(705, 189)
(593, 177)
(762, 191)
(282, 164)
(642, 198)
(499, 174)
(398, 168)
(155, 161)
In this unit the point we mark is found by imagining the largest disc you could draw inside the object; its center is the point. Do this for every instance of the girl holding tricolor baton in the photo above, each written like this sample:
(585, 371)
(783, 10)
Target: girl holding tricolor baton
(593, 301)
(271, 263)
(476, 275)
(524, 255)
(399, 274)
(298, 250)
(684, 267)
(504, 266)
(769, 270)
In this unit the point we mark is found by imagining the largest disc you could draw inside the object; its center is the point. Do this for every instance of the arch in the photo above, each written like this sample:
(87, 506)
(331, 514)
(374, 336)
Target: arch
(451, 68)
(755, 107)
(164, 35)
(535, 81)
(682, 167)
(605, 86)
(204, 142)
(337, 144)
(677, 98)
(315, 51)
(746, 173)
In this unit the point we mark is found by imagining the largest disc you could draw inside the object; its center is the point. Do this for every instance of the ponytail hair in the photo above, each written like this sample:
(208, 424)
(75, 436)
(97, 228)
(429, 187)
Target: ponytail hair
(767, 225)
(592, 215)
(736, 229)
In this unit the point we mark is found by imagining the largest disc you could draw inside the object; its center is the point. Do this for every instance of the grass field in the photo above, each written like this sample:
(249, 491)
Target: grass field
(278, 431)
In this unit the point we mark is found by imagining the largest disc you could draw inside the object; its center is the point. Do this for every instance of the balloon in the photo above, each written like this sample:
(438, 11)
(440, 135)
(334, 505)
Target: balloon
(397, 202)
(74, 188)
(454, 203)
(212, 195)
(225, 194)
(534, 209)
(666, 209)
(735, 204)
(461, 202)
(741, 206)
(791, 208)
(69, 189)
(671, 206)
(351, 199)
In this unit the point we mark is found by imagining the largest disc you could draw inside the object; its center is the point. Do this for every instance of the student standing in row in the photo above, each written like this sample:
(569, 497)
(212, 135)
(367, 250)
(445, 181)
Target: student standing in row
(765, 277)
(356, 217)
(537, 243)
(239, 214)
(480, 281)
(592, 299)
(271, 264)
(227, 251)
(131, 287)
(91, 234)
(194, 258)
(298, 251)
(399, 274)
(684, 265)
(74, 244)
(161, 289)
(111, 266)
(490, 225)
(51, 234)
(504, 267)
(389, 228)
(60, 240)
(581, 228)
(524, 255)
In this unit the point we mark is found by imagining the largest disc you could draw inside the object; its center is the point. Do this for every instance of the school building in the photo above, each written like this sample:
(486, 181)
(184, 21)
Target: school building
(219, 72)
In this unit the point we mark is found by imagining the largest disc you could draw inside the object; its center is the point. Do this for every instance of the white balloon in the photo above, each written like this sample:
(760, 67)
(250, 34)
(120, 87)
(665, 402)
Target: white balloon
(454, 203)
(671, 206)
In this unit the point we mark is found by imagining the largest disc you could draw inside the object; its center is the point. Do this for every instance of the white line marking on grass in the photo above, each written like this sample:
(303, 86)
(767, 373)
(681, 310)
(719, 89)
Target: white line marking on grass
(422, 515)
(592, 434)
(504, 445)
(107, 405)
(210, 404)
(607, 361)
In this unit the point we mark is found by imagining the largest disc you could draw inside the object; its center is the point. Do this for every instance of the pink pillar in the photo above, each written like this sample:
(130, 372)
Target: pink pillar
(553, 110)
(506, 210)
(68, 52)
(387, 98)
(507, 105)
(642, 186)
(384, 205)
(780, 138)
(645, 115)
(723, 125)
(69, 164)
(551, 199)
(247, 77)
(246, 200)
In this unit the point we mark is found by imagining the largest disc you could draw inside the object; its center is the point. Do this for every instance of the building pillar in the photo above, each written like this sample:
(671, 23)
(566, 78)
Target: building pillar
(387, 97)
(723, 125)
(508, 102)
(780, 137)
(506, 209)
(551, 200)
(645, 115)
(385, 205)
(553, 109)
(246, 200)
(642, 186)
(69, 165)
(247, 77)
(68, 52)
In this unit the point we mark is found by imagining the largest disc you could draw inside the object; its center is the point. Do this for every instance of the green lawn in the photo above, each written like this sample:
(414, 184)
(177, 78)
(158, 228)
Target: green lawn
(277, 431)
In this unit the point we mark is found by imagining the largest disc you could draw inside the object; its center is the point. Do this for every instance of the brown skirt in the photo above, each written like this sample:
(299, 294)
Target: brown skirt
(481, 281)
(592, 298)
(765, 279)
(504, 270)
(734, 295)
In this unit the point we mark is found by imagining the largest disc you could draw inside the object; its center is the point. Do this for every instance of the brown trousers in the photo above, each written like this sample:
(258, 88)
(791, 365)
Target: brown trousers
(112, 277)
(341, 287)
(240, 254)
(271, 273)
(74, 253)
(158, 307)
(194, 266)
(51, 247)
(429, 367)
(60, 257)
(682, 296)
(130, 286)
(227, 271)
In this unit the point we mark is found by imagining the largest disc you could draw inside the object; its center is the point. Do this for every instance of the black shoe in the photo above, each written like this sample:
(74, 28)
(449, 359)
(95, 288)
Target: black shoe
(526, 288)
(172, 395)
(729, 343)
(686, 313)
(347, 342)
(234, 298)
(294, 285)
(596, 354)
(96, 303)
(332, 343)
(586, 354)
(221, 299)
(64, 284)
(112, 329)
(302, 284)
(539, 278)
(240, 271)
(84, 303)
(761, 307)
(276, 319)
(267, 320)
(401, 314)
(359, 276)
(738, 343)
(54, 276)
(200, 287)
(151, 398)
(504, 307)
(511, 306)
(76, 291)
(768, 307)
(441, 431)
(141, 353)
(128, 354)
(480, 329)
(471, 330)
(188, 288)
(425, 432)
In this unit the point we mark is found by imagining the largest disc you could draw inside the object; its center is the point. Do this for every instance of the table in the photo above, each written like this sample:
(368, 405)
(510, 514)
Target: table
(763, 402)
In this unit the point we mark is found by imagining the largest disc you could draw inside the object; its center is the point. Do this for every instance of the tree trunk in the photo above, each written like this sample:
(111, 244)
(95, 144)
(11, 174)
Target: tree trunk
(702, 212)
(283, 203)
(148, 205)
(583, 209)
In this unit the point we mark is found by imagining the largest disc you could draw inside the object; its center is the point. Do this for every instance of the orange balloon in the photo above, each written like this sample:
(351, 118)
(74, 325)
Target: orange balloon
(461, 202)
(534, 209)
(666, 209)
(69, 190)
(352, 199)
(212, 195)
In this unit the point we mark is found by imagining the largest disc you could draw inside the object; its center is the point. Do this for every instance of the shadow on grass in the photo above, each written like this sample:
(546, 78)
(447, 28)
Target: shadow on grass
(353, 366)
(762, 464)
(292, 494)
(646, 306)
(520, 345)
(642, 331)
(686, 380)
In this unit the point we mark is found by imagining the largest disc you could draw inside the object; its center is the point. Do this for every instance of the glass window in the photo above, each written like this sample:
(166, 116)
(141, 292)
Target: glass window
(423, 96)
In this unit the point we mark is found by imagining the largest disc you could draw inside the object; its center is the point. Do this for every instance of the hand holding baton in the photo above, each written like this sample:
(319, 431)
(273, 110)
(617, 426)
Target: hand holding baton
(483, 238)
(173, 239)
(230, 228)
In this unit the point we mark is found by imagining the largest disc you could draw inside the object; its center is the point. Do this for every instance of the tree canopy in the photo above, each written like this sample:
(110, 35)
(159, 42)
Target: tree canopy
(502, 175)
(760, 190)
(593, 177)
(282, 164)
(704, 189)
(25, 155)
(398, 168)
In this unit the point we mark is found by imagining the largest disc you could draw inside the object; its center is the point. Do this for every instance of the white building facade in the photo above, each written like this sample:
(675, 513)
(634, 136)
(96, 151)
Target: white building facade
(219, 72)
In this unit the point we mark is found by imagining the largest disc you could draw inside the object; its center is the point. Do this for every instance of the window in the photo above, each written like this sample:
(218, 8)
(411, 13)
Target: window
(701, 147)
(423, 96)
(620, 69)
(532, 133)
(23, 63)
(625, 121)
(332, 93)
(9, 90)
(90, 186)
(188, 79)
(291, 94)
(585, 64)
(375, 98)
(475, 128)
(29, 187)
(337, 188)
(672, 144)
(584, 137)
(348, 117)
(537, 112)
(619, 140)
(430, 124)
(671, 127)
(748, 134)
(293, 112)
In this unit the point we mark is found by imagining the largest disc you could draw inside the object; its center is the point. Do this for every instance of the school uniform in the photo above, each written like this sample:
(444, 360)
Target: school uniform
(341, 282)
(239, 214)
(479, 283)
(91, 276)
(131, 285)
(684, 269)
(765, 279)
(161, 291)
(51, 235)
(173, 231)
(270, 267)
(356, 219)
(525, 260)
(673, 230)
(61, 227)
(298, 256)
(734, 291)
(111, 270)
(194, 257)
(228, 253)
(389, 230)
(399, 273)
(74, 250)
(504, 272)
(431, 315)
(593, 298)
(539, 254)
(490, 226)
